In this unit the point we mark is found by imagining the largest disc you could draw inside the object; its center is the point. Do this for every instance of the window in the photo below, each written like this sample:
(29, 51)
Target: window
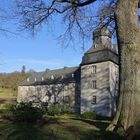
(66, 99)
(95, 45)
(94, 100)
(28, 79)
(94, 86)
(52, 77)
(42, 78)
(94, 69)
(72, 75)
(35, 79)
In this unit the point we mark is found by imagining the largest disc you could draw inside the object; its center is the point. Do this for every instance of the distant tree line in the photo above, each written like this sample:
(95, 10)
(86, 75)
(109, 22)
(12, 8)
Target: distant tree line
(12, 80)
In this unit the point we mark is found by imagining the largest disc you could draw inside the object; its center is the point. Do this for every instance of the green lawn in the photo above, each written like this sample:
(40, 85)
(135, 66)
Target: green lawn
(7, 96)
(57, 128)
(7, 93)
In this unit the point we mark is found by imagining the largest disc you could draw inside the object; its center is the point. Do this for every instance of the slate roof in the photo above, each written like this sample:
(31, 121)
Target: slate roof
(100, 54)
(100, 47)
(66, 75)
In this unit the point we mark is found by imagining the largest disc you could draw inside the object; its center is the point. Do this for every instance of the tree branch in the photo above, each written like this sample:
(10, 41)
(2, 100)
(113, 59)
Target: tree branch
(76, 3)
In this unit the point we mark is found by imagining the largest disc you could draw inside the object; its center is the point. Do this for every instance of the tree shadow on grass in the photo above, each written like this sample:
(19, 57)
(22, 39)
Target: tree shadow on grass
(97, 123)
(58, 131)
(102, 134)
(20, 131)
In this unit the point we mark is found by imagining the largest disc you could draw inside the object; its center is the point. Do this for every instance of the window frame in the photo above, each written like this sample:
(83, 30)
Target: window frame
(94, 69)
(94, 84)
(94, 100)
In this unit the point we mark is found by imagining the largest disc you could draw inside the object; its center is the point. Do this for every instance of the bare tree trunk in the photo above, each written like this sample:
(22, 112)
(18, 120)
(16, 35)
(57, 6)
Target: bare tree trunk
(128, 114)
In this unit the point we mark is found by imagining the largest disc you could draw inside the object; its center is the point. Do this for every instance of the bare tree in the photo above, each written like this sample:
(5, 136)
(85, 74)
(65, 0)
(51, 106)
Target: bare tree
(80, 16)
(5, 19)
(54, 93)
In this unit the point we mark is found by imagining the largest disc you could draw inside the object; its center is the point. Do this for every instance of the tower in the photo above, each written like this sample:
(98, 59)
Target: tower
(99, 75)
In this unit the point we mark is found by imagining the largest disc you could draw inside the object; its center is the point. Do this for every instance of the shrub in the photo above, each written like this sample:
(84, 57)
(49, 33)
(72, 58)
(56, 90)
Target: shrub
(89, 115)
(53, 110)
(23, 112)
(58, 109)
(6, 110)
(6, 106)
(65, 109)
(27, 113)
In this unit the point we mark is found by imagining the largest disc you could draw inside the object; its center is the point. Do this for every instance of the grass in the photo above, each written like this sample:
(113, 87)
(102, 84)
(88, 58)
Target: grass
(66, 127)
(7, 93)
(7, 96)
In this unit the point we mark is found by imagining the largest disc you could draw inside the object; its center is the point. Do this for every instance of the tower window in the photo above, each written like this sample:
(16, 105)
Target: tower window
(94, 69)
(94, 100)
(94, 86)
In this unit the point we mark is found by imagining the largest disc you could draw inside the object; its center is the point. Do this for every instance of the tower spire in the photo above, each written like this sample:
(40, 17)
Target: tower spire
(101, 20)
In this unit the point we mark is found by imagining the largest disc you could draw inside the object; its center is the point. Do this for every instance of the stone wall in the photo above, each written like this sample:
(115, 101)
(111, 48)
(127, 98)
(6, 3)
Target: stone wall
(114, 83)
(102, 90)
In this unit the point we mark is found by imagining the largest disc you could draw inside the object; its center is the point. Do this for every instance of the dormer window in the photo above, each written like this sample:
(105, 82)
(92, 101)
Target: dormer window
(95, 45)
(72, 75)
(28, 79)
(52, 77)
(93, 69)
(35, 79)
(42, 78)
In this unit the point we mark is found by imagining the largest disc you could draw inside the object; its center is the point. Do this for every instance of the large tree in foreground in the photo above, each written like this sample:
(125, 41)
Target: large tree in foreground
(80, 15)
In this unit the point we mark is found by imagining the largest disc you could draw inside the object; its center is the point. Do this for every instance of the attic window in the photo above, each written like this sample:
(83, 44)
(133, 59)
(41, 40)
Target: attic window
(28, 79)
(42, 78)
(52, 77)
(95, 45)
(72, 75)
(35, 79)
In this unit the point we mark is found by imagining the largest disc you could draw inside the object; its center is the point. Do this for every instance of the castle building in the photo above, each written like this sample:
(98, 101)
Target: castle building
(92, 86)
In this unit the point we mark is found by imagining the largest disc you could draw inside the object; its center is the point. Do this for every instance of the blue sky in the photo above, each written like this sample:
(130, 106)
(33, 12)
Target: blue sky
(37, 53)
